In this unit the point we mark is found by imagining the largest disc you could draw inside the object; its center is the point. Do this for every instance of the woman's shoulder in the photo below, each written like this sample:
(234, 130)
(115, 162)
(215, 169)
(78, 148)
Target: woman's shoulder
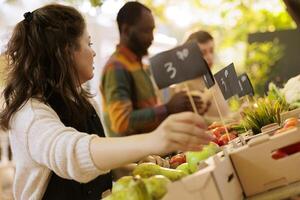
(35, 106)
(32, 109)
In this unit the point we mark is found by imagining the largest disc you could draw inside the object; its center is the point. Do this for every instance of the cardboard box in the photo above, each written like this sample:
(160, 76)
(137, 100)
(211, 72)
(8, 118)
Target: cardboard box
(290, 192)
(270, 128)
(217, 181)
(288, 114)
(258, 171)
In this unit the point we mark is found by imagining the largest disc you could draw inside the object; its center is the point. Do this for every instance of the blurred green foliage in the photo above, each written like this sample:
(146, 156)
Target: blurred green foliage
(264, 111)
(252, 20)
(235, 103)
(258, 58)
(260, 63)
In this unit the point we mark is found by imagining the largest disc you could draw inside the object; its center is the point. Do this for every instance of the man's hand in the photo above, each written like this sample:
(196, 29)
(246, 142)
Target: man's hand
(180, 102)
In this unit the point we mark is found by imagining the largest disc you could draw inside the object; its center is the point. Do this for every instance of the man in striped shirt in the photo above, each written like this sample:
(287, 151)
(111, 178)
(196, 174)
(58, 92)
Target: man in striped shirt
(129, 101)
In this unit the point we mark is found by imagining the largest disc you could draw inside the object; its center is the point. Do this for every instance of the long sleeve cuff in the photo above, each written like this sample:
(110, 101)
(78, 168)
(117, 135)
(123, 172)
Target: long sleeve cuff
(161, 112)
(85, 158)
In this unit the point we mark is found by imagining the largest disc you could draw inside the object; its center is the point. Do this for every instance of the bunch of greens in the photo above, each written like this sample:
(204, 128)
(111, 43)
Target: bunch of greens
(275, 94)
(263, 112)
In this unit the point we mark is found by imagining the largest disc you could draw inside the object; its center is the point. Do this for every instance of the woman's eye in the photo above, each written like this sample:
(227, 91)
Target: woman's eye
(90, 43)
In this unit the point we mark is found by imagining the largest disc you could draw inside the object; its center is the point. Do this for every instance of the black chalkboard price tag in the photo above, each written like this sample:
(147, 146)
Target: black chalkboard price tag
(179, 64)
(209, 79)
(245, 85)
(228, 81)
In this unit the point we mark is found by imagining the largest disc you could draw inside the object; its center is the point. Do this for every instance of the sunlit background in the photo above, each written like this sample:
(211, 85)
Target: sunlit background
(229, 21)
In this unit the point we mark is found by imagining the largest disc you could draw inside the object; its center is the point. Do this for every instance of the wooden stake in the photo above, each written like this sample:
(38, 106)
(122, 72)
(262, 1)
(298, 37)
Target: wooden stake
(191, 98)
(248, 101)
(220, 114)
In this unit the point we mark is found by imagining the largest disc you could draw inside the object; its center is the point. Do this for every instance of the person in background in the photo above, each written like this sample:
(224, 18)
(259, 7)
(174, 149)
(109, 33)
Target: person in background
(206, 44)
(129, 101)
(56, 136)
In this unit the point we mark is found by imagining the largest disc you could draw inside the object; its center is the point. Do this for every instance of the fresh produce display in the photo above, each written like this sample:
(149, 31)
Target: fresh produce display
(286, 151)
(129, 189)
(290, 93)
(184, 167)
(151, 176)
(278, 154)
(136, 188)
(276, 94)
(146, 170)
(239, 128)
(261, 112)
(177, 160)
(122, 183)
(290, 122)
(157, 186)
(149, 180)
(225, 138)
(195, 157)
(156, 160)
(230, 126)
(291, 149)
(265, 111)
(220, 133)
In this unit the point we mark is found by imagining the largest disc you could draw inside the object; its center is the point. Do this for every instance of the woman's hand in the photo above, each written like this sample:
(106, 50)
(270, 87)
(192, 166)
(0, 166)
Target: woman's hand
(184, 131)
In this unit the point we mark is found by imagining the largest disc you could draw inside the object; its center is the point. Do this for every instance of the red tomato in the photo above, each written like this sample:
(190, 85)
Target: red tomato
(216, 140)
(219, 131)
(278, 154)
(291, 149)
(290, 122)
(223, 140)
(179, 158)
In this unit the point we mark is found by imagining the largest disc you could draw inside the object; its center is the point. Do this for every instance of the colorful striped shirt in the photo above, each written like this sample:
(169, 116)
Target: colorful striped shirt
(129, 101)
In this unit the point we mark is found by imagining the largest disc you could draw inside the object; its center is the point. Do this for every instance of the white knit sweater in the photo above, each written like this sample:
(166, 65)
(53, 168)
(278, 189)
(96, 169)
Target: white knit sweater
(41, 143)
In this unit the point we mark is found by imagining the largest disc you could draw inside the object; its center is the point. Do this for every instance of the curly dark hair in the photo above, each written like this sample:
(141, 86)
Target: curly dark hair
(40, 61)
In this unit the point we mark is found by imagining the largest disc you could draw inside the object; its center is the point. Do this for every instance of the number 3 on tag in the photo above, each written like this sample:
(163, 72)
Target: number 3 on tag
(170, 68)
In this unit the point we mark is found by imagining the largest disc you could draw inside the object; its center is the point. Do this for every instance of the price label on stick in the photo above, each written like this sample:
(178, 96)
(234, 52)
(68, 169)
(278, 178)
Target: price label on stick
(209, 79)
(228, 81)
(245, 85)
(177, 65)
